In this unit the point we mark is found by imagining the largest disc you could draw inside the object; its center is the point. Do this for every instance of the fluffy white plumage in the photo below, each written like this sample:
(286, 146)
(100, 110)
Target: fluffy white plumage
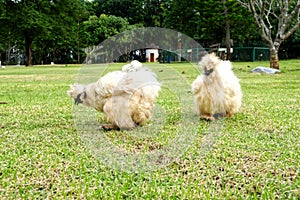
(126, 97)
(217, 90)
(133, 66)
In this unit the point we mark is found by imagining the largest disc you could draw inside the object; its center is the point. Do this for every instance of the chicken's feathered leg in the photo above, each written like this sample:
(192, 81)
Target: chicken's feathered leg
(118, 112)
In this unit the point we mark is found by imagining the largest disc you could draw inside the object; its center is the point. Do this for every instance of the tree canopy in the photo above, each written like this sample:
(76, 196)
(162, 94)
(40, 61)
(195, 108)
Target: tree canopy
(40, 20)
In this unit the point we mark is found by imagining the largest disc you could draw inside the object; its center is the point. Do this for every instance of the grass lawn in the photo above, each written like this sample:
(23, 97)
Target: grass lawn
(255, 154)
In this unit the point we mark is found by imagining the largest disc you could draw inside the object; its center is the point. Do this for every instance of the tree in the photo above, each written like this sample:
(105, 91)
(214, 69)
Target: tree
(227, 25)
(149, 13)
(290, 48)
(207, 22)
(233, 20)
(154, 12)
(40, 19)
(97, 29)
(182, 20)
(132, 10)
(7, 36)
(277, 20)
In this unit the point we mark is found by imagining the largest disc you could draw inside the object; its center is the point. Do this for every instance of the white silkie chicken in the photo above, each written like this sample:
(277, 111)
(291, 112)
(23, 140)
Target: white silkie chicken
(126, 97)
(217, 91)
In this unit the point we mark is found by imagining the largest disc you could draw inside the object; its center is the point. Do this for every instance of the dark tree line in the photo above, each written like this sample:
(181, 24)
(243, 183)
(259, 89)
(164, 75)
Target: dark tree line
(59, 30)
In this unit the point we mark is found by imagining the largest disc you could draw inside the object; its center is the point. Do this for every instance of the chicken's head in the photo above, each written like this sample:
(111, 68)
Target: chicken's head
(77, 92)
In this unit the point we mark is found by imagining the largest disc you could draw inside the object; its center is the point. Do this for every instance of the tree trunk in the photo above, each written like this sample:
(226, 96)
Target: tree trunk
(8, 56)
(28, 51)
(228, 40)
(274, 61)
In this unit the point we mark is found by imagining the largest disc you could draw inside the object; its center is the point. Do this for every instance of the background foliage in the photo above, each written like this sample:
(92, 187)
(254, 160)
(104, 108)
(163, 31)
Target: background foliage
(59, 30)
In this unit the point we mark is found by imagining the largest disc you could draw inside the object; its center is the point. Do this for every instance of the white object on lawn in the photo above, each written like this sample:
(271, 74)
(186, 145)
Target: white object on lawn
(266, 70)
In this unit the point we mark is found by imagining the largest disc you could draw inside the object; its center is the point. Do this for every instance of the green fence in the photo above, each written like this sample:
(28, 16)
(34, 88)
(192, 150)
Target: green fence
(194, 55)
(250, 54)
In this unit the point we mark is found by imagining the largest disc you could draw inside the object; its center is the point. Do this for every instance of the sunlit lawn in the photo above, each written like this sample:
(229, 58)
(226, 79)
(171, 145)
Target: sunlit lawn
(256, 154)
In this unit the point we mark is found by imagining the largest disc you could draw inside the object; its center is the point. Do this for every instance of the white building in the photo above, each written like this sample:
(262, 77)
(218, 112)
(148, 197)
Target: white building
(152, 53)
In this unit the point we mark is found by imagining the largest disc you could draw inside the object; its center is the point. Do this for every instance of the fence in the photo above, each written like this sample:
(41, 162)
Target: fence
(194, 55)
(250, 54)
(167, 56)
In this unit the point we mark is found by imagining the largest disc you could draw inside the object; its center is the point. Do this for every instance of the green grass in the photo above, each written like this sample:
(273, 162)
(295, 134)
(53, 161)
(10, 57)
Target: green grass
(257, 154)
